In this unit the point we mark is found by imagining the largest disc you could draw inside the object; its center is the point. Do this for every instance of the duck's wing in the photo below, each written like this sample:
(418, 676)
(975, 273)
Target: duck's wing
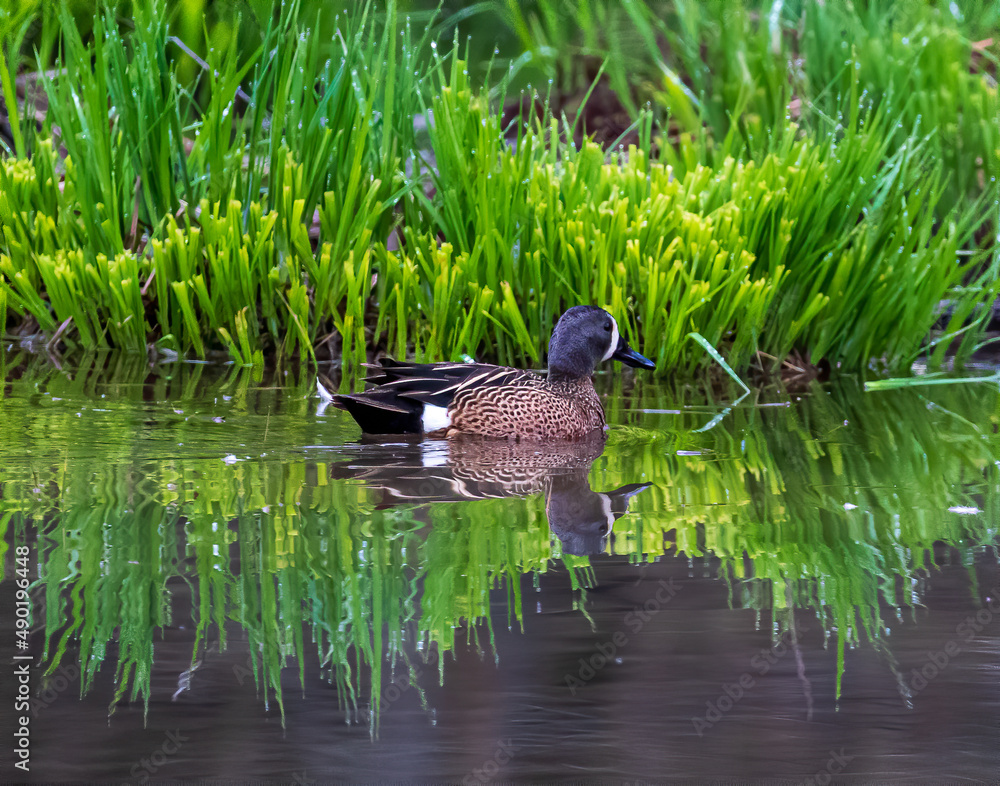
(439, 383)
(395, 405)
(400, 484)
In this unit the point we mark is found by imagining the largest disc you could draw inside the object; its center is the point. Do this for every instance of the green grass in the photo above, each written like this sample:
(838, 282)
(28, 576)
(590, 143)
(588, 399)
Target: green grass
(724, 74)
(283, 201)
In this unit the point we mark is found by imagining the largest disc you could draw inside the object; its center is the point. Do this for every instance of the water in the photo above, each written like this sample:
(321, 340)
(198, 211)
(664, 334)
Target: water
(228, 583)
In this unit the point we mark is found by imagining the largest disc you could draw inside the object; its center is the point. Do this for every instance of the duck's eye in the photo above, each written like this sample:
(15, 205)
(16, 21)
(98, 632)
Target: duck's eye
(607, 326)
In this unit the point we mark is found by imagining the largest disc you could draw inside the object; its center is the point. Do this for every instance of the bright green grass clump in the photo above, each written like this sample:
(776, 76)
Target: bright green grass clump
(752, 256)
(300, 207)
(729, 72)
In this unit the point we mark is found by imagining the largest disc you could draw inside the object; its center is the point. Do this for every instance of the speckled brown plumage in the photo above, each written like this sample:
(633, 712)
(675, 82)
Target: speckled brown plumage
(527, 407)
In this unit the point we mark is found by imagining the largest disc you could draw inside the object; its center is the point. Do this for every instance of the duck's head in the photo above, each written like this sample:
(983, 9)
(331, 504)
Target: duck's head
(584, 337)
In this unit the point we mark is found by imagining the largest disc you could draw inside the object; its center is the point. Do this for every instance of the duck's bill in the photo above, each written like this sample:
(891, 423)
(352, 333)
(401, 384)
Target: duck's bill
(625, 354)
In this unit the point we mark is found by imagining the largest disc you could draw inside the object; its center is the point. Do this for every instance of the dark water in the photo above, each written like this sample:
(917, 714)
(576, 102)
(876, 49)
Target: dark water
(225, 583)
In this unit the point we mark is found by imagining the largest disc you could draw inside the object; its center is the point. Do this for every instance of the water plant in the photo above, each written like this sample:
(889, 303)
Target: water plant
(354, 193)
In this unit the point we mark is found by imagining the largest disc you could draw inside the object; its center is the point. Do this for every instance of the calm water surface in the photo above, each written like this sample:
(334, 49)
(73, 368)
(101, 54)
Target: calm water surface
(226, 582)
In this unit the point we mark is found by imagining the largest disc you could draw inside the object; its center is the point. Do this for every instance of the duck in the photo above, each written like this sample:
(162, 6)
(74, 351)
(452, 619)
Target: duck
(445, 400)
(463, 470)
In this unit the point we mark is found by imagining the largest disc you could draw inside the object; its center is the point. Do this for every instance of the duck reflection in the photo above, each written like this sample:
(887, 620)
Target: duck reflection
(429, 471)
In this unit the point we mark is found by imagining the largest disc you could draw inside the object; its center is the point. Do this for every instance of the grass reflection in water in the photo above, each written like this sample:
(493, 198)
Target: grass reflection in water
(131, 481)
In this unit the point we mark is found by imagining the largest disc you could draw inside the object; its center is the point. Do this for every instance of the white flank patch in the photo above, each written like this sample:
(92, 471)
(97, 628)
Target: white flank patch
(614, 340)
(434, 453)
(608, 515)
(434, 418)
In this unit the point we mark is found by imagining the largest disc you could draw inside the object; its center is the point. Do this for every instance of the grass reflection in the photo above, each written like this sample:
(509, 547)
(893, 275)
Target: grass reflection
(131, 481)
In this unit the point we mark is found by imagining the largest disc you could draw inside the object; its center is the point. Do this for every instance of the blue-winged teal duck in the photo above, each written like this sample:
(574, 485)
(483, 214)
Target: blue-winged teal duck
(460, 470)
(449, 399)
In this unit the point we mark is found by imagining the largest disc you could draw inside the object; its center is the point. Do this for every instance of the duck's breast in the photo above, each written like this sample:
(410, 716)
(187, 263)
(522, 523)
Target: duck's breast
(537, 411)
